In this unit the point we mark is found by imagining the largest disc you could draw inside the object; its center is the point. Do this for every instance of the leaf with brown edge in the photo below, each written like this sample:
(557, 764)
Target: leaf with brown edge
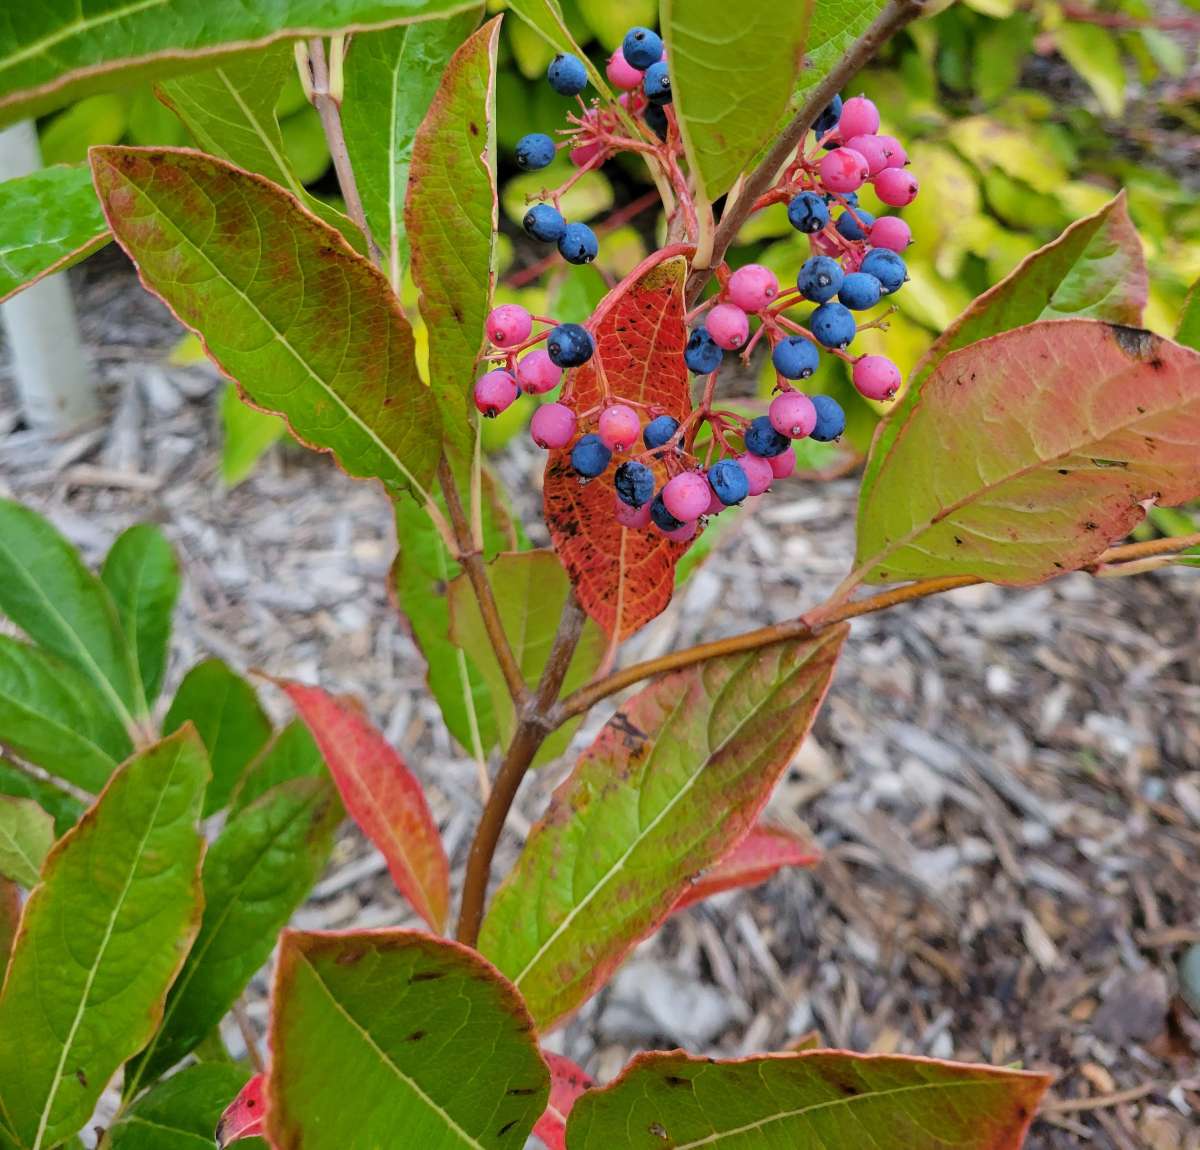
(672, 782)
(1031, 452)
(623, 578)
(245, 1116)
(763, 852)
(382, 796)
(816, 1098)
(567, 1082)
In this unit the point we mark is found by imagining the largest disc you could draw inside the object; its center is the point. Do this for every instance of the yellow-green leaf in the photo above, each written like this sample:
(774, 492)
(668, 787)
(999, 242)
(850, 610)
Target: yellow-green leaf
(26, 835)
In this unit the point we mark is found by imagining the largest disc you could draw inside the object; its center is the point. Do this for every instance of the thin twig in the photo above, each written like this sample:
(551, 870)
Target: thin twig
(248, 1036)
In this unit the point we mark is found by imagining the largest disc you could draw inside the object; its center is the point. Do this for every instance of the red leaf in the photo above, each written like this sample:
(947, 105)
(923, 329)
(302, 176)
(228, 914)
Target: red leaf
(244, 1116)
(755, 859)
(382, 796)
(567, 1082)
(623, 578)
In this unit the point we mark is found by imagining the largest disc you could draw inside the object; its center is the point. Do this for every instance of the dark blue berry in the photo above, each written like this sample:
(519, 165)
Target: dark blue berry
(850, 227)
(659, 430)
(828, 119)
(634, 483)
(656, 83)
(833, 324)
(728, 481)
(887, 267)
(577, 244)
(762, 439)
(569, 345)
(847, 199)
(656, 117)
(567, 75)
(641, 48)
(819, 279)
(663, 519)
(535, 151)
(545, 223)
(702, 355)
(589, 457)
(808, 213)
(831, 419)
(860, 291)
(796, 357)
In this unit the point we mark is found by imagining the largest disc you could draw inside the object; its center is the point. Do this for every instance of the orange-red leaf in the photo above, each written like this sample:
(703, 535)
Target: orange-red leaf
(383, 796)
(623, 578)
(567, 1082)
(765, 850)
(245, 1115)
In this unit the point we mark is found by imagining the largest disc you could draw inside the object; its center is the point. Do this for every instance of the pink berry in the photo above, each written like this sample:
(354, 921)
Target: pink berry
(715, 506)
(872, 149)
(553, 426)
(635, 517)
(537, 373)
(728, 325)
(783, 464)
(687, 495)
(752, 288)
(843, 170)
(585, 153)
(859, 117)
(619, 427)
(890, 232)
(792, 414)
(897, 157)
(622, 73)
(876, 377)
(824, 245)
(758, 472)
(896, 187)
(684, 534)
(508, 325)
(495, 392)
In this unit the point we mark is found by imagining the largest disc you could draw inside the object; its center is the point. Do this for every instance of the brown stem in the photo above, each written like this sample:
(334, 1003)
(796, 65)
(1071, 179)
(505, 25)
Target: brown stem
(895, 16)
(1119, 20)
(531, 732)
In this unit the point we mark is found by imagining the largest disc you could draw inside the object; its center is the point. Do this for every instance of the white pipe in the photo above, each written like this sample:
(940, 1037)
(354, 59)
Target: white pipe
(54, 383)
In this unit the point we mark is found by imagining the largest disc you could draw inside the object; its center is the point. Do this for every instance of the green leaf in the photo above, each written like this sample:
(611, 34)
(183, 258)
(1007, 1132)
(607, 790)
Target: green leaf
(451, 216)
(48, 592)
(49, 220)
(142, 575)
(545, 17)
(65, 809)
(388, 1030)
(180, 1113)
(229, 719)
(1030, 452)
(26, 836)
(813, 1099)
(259, 279)
(531, 590)
(673, 781)
(1188, 332)
(291, 754)
(52, 715)
(609, 20)
(230, 112)
(391, 78)
(259, 869)
(100, 119)
(731, 80)
(113, 917)
(1094, 53)
(246, 434)
(54, 53)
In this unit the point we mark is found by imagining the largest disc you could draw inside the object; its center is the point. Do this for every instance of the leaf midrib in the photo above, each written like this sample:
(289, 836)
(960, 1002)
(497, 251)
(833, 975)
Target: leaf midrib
(75, 28)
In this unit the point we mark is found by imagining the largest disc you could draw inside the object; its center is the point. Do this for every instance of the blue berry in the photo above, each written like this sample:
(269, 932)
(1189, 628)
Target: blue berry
(808, 213)
(545, 223)
(569, 345)
(641, 48)
(860, 291)
(535, 151)
(796, 357)
(849, 199)
(658, 431)
(655, 116)
(850, 227)
(567, 75)
(819, 279)
(656, 83)
(887, 267)
(728, 481)
(831, 419)
(828, 119)
(577, 244)
(634, 483)
(662, 518)
(589, 457)
(762, 439)
(702, 355)
(833, 324)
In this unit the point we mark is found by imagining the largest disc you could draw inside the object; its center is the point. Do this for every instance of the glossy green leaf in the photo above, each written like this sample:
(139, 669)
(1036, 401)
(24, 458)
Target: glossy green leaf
(113, 917)
(1030, 452)
(52, 53)
(142, 575)
(451, 216)
(291, 754)
(391, 78)
(229, 719)
(833, 27)
(65, 809)
(1188, 332)
(818, 1098)
(731, 80)
(259, 869)
(259, 279)
(180, 1113)
(49, 220)
(403, 1032)
(673, 781)
(246, 435)
(46, 590)
(26, 836)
